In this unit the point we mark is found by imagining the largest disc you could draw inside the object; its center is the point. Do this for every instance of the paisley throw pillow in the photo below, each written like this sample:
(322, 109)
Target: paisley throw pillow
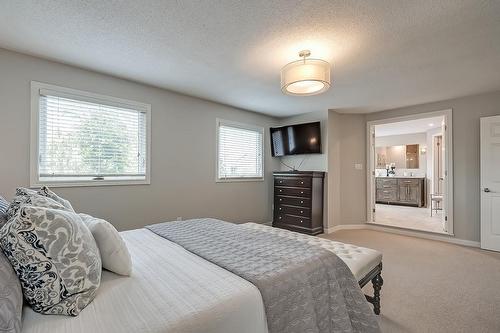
(55, 258)
(46, 192)
(26, 196)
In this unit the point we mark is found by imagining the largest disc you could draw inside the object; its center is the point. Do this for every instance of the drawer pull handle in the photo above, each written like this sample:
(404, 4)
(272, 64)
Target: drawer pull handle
(281, 190)
(301, 183)
(301, 221)
(280, 217)
(280, 208)
(301, 201)
(301, 192)
(281, 181)
(301, 212)
(281, 199)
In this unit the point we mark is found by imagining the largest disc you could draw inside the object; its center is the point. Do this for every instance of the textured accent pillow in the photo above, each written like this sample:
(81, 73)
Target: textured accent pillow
(114, 252)
(26, 196)
(55, 258)
(4, 206)
(11, 298)
(46, 192)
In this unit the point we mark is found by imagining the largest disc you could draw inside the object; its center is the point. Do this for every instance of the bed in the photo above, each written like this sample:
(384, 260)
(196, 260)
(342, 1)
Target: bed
(174, 290)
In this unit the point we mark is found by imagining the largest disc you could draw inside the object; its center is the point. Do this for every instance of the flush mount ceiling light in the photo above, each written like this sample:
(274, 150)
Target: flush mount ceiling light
(305, 77)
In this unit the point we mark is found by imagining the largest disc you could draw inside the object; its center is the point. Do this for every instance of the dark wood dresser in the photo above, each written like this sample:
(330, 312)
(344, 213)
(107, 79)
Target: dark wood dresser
(298, 201)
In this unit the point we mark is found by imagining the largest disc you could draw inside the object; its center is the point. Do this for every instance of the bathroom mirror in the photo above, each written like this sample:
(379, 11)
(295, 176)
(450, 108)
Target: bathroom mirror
(403, 156)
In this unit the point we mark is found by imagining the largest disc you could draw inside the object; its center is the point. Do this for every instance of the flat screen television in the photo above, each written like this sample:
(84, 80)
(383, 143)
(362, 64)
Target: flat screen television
(296, 139)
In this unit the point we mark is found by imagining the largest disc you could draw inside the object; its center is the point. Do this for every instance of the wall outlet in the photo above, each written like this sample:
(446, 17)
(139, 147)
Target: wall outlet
(358, 166)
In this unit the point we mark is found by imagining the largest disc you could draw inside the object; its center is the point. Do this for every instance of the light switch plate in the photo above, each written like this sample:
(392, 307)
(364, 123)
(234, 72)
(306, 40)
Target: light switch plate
(358, 166)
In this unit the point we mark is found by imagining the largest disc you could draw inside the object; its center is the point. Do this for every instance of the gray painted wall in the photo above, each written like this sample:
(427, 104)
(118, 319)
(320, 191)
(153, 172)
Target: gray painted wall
(347, 185)
(183, 150)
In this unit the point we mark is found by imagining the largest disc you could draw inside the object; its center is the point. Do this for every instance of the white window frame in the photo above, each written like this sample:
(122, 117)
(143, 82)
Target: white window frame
(90, 97)
(260, 129)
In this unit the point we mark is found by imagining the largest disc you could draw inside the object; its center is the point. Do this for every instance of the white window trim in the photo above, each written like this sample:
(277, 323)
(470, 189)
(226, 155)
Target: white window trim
(92, 97)
(260, 129)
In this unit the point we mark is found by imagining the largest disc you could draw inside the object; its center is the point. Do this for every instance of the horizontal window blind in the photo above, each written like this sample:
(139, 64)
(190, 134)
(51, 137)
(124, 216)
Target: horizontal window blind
(81, 139)
(240, 152)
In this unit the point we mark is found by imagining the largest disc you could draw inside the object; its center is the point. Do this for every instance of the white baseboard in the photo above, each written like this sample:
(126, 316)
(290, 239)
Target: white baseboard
(345, 227)
(423, 234)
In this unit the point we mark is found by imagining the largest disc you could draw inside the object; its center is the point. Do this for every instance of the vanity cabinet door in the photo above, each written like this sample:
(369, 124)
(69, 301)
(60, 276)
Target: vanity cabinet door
(413, 193)
(409, 194)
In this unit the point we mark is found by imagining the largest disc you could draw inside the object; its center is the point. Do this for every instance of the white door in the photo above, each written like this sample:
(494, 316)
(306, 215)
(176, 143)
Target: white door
(490, 183)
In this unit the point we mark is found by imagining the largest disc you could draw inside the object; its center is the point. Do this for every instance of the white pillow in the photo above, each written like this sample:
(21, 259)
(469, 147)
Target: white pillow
(114, 253)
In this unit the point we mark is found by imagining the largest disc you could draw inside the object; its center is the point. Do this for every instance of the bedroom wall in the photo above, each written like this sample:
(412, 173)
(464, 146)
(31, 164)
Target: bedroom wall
(347, 183)
(182, 171)
(466, 114)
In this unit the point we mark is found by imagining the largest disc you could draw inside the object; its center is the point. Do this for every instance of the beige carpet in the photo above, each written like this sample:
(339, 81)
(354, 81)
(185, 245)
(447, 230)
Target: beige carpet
(432, 286)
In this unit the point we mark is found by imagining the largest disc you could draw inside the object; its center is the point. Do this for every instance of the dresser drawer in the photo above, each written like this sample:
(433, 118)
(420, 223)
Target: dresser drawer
(386, 183)
(294, 220)
(293, 191)
(293, 182)
(298, 211)
(301, 202)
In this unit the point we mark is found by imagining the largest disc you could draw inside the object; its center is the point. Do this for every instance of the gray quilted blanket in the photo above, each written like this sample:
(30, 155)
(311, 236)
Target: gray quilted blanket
(304, 287)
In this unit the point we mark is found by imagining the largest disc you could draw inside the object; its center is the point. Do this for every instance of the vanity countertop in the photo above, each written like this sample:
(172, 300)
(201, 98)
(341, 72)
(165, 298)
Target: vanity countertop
(413, 177)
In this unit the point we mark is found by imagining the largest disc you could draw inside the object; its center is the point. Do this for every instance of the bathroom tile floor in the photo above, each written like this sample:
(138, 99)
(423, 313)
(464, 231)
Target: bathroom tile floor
(409, 218)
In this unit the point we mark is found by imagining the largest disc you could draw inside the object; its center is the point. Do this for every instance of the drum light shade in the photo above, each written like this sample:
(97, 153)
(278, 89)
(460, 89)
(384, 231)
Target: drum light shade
(305, 77)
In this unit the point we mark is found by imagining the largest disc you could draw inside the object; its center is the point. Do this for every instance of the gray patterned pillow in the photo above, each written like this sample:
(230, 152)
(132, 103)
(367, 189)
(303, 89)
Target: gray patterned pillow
(26, 196)
(11, 298)
(55, 257)
(4, 206)
(46, 192)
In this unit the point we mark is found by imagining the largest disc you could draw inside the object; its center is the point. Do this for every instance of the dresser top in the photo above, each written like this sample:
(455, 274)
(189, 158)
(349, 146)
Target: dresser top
(315, 174)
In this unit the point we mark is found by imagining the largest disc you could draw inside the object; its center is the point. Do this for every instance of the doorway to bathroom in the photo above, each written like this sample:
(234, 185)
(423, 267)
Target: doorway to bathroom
(410, 172)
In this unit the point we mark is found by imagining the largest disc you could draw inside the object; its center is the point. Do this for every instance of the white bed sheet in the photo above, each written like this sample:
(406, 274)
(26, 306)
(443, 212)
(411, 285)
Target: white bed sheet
(170, 290)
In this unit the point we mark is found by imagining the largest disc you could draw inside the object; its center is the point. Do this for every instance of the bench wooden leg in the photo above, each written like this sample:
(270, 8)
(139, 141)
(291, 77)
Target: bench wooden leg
(377, 282)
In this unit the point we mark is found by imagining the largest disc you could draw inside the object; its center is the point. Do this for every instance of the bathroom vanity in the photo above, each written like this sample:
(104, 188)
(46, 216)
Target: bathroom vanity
(408, 191)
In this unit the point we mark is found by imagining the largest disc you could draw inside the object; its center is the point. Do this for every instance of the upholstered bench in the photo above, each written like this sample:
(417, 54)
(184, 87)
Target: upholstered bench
(365, 264)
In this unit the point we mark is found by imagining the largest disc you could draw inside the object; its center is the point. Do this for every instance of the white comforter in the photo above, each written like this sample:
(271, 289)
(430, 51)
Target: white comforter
(170, 290)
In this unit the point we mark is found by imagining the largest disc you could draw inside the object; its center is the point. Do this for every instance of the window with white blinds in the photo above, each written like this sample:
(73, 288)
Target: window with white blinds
(239, 151)
(84, 138)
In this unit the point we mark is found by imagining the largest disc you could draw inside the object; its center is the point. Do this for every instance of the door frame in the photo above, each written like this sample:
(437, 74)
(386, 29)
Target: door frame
(433, 184)
(448, 141)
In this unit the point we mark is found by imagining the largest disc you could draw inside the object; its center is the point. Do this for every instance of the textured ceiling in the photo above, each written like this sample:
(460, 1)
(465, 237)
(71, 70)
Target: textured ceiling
(385, 53)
